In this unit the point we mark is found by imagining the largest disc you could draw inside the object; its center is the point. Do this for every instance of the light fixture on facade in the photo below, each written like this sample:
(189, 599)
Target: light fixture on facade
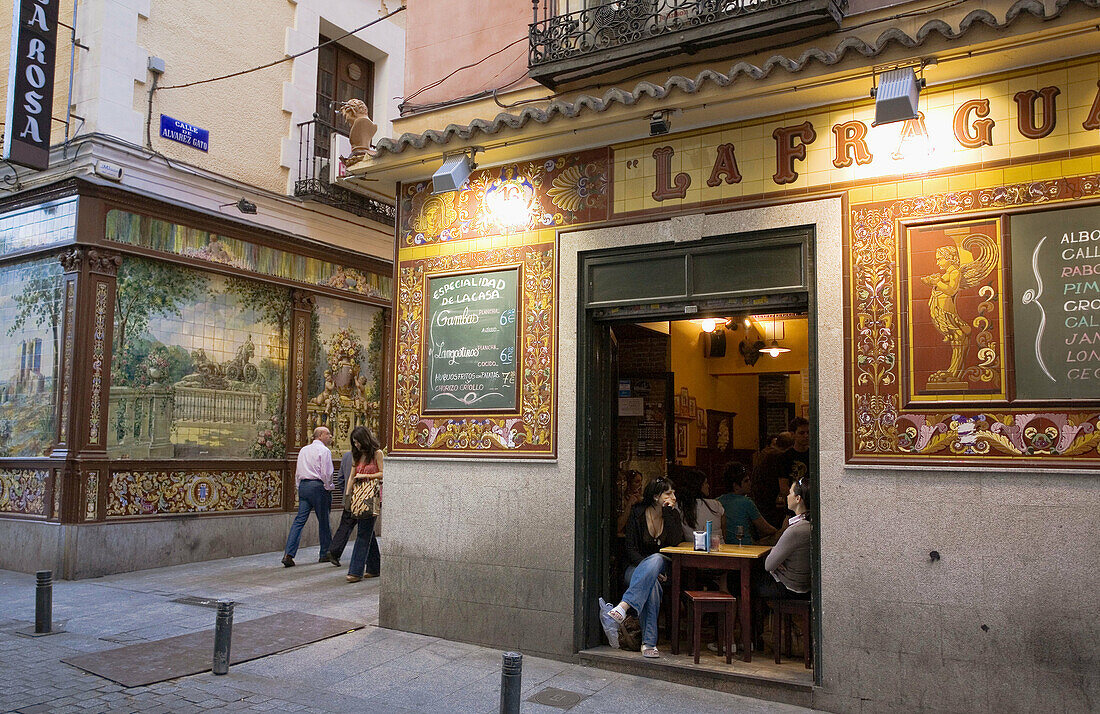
(896, 95)
(660, 122)
(709, 324)
(455, 170)
(243, 205)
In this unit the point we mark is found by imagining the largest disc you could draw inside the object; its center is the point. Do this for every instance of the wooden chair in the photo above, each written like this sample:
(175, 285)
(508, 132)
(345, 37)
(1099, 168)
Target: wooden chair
(701, 602)
(782, 612)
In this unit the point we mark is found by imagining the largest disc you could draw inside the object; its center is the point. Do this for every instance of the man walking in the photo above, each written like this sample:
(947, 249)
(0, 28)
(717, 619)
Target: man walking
(313, 476)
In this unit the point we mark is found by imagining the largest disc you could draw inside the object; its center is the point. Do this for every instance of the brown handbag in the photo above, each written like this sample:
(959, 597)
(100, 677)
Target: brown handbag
(365, 495)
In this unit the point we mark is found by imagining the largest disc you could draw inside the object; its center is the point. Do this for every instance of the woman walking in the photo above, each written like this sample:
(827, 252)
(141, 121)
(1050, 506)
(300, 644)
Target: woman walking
(361, 466)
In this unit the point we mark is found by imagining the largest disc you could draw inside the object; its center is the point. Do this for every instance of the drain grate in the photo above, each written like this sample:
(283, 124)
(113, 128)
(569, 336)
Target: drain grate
(559, 698)
(199, 601)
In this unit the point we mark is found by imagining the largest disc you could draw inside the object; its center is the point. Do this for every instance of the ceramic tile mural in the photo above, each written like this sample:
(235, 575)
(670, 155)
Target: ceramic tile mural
(23, 491)
(346, 362)
(509, 199)
(49, 223)
(31, 310)
(151, 493)
(133, 229)
(199, 367)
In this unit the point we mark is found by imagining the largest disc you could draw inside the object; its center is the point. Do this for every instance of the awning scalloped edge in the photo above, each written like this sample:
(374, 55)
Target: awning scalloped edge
(570, 109)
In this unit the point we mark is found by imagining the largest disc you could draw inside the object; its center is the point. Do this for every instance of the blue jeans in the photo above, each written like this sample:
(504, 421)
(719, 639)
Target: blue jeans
(312, 496)
(644, 593)
(365, 554)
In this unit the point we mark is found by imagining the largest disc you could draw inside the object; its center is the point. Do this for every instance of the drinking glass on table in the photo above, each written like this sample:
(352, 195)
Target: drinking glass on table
(740, 533)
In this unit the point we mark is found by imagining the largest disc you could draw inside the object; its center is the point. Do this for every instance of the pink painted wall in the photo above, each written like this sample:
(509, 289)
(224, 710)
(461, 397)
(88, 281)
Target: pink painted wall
(443, 35)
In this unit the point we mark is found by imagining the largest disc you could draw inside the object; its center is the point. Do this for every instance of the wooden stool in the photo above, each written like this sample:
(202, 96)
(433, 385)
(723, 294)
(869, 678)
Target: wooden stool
(782, 612)
(702, 602)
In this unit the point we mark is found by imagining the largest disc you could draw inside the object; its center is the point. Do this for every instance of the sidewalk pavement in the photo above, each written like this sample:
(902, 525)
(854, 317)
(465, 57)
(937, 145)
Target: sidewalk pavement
(371, 670)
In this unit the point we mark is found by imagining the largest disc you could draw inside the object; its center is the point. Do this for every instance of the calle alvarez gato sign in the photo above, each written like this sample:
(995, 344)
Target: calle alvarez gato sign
(30, 83)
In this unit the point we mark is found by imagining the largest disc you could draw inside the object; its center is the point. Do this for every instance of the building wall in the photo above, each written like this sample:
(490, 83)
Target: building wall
(482, 28)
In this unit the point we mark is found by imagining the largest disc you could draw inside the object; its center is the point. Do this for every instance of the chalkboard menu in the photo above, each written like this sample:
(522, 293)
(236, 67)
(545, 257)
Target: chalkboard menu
(1056, 303)
(470, 356)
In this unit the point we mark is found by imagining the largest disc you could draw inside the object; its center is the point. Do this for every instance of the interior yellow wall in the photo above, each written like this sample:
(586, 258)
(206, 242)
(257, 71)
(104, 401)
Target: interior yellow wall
(244, 114)
(731, 394)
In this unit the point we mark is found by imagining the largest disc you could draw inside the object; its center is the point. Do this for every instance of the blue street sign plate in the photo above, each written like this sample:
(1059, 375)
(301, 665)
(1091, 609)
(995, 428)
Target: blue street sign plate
(184, 133)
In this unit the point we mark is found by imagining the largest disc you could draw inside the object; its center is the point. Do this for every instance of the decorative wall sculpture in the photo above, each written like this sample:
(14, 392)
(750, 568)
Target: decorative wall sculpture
(158, 492)
(913, 367)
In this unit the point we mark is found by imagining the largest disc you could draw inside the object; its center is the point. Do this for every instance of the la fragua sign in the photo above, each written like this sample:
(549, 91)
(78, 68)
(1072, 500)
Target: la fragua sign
(30, 83)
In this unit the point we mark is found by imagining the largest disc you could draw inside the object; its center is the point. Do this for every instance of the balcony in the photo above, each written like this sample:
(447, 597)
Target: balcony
(316, 152)
(575, 39)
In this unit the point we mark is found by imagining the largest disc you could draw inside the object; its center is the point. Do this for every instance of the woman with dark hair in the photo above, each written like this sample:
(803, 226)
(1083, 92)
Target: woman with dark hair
(654, 524)
(788, 562)
(696, 508)
(364, 461)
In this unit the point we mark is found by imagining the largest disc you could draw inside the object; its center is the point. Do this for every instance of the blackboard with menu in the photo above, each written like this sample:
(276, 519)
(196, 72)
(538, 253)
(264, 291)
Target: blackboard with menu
(1056, 304)
(470, 355)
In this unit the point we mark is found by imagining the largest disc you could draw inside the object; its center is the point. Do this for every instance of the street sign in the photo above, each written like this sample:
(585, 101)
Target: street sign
(184, 133)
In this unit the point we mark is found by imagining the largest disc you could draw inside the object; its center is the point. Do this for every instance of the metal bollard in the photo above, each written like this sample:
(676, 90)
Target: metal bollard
(511, 674)
(223, 633)
(43, 602)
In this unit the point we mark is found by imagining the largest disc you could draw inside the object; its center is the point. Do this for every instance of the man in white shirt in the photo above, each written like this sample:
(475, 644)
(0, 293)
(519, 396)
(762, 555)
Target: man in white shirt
(313, 477)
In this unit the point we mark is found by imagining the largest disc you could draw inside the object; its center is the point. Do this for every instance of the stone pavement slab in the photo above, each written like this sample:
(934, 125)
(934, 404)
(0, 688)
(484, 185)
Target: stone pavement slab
(372, 669)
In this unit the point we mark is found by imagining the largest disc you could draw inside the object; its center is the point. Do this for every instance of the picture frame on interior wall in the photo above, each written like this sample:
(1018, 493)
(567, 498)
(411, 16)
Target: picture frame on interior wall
(681, 439)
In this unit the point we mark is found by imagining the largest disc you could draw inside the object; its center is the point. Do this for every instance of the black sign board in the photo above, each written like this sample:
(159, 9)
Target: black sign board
(1056, 304)
(30, 83)
(470, 355)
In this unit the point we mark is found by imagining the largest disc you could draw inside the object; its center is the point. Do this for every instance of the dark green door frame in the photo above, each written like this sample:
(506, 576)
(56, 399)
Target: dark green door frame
(758, 272)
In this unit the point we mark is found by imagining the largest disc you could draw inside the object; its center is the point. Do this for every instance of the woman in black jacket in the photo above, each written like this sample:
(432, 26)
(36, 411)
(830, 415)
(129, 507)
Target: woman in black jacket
(654, 524)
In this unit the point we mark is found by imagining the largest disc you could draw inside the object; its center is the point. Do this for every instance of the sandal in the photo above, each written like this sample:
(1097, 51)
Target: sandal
(610, 624)
(650, 651)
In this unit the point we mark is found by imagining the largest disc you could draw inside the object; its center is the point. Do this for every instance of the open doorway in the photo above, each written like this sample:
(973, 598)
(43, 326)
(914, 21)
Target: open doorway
(682, 392)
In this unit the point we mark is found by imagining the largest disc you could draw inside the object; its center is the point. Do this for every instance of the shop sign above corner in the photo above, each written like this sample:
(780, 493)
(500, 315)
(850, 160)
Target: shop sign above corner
(184, 133)
(30, 83)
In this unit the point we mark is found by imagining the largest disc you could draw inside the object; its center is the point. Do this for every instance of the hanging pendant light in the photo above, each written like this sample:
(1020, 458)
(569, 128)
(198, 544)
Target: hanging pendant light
(775, 350)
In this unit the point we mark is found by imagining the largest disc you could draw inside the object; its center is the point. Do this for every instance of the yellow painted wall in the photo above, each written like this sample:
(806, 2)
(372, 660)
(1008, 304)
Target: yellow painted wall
(731, 394)
(244, 114)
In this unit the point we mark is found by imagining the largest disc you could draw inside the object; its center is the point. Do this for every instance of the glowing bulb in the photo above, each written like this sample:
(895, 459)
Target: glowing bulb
(709, 324)
(775, 350)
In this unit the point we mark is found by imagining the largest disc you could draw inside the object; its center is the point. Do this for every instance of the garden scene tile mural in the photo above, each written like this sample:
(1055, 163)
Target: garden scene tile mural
(199, 367)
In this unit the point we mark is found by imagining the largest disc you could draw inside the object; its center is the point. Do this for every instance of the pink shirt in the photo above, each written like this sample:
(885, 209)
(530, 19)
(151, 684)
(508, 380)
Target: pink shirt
(315, 462)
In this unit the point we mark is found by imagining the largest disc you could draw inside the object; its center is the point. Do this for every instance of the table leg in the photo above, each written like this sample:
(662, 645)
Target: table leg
(746, 609)
(674, 589)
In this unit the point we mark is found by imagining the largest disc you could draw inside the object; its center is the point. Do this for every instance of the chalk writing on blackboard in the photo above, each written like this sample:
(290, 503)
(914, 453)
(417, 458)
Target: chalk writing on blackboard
(1056, 274)
(471, 347)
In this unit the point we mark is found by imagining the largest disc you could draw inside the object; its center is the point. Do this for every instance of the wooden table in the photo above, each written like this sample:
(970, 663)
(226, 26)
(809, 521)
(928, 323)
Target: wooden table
(726, 558)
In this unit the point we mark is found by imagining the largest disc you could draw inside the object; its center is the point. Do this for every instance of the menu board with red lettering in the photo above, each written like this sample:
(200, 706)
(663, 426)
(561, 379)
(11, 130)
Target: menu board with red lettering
(1056, 304)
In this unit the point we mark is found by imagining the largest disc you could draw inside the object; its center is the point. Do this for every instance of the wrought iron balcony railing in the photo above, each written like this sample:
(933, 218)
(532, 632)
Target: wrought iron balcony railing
(314, 182)
(579, 38)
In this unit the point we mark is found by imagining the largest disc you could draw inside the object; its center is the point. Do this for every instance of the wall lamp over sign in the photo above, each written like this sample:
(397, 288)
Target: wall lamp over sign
(243, 205)
(896, 95)
(455, 170)
(660, 122)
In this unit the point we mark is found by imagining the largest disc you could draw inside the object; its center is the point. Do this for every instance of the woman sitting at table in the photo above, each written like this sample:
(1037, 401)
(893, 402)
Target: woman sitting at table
(654, 524)
(788, 563)
(696, 508)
